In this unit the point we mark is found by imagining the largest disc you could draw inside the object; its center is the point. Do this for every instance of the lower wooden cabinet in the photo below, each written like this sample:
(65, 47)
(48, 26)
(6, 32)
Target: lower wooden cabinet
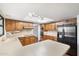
(48, 37)
(22, 40)
(27, 40)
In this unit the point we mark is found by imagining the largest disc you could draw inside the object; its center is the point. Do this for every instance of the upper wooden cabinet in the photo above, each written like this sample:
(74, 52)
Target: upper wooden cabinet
(28, 25)
(71, 21)
(19, 25)
(49, 27)
(13, 25)
(23, 25)
(10, 25)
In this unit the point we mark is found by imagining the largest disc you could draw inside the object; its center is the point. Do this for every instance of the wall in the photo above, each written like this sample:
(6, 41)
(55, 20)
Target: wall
(35, 30)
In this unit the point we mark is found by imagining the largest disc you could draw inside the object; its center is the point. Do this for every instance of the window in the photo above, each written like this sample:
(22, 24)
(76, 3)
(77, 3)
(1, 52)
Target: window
(1, 25)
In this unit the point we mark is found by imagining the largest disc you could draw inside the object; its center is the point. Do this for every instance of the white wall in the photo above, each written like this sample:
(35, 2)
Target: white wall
(35, 30)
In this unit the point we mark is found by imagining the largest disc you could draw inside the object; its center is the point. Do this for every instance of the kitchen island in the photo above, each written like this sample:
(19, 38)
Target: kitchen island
(43, 48)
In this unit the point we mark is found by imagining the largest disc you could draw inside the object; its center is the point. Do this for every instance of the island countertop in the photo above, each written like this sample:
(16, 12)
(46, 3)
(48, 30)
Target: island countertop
(43, 48)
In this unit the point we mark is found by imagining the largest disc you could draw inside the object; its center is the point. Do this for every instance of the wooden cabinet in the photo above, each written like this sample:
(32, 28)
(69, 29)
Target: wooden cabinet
(33, 39)
(23, 25)
(27, 25)
(28, 40)
(19, 25)
(22, 40)
(71, 21)
(49, 27)
(48, 37)
(13, 25)
(10, 25)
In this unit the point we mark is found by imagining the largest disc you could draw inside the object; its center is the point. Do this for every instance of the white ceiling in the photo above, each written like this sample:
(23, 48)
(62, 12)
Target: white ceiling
(55, 11)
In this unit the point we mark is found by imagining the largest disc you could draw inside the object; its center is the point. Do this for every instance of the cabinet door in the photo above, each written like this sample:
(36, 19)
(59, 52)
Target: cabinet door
(19, 25)
(48, 37)
(26, 41)
(49, 27)
(29, 40)
(71, 21)
(28, 25)
(22, 42)
(33, 39)
(10, 25)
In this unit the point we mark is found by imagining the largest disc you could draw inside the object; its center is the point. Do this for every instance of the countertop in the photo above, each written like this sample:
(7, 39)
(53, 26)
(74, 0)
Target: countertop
(43, 48)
